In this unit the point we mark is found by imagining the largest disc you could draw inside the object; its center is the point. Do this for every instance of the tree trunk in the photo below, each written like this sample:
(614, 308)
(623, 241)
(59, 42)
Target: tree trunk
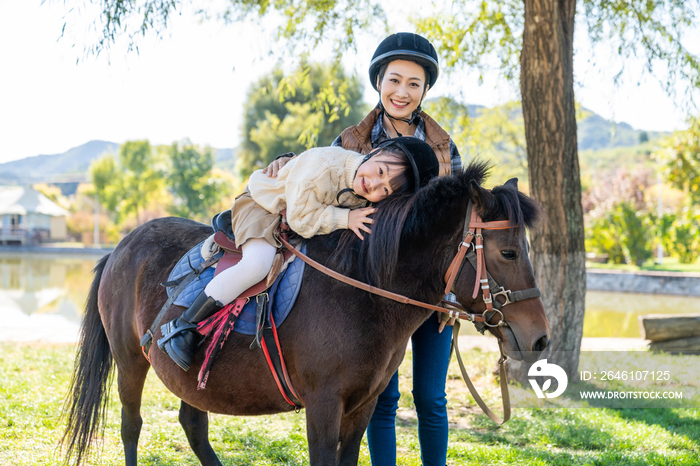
(558, 253)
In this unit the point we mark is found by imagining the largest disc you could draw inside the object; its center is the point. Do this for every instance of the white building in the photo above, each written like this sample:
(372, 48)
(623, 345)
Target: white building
(29, 217)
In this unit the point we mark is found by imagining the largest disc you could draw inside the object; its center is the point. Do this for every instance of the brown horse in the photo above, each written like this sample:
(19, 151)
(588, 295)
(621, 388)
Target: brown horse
(341, 344)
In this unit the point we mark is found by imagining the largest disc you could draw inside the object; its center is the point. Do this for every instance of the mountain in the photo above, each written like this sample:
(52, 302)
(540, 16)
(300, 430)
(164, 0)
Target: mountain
(72, 166)
(595, 133)
(41, 168)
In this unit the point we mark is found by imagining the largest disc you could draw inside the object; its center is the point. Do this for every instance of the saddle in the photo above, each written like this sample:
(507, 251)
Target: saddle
(223, 237)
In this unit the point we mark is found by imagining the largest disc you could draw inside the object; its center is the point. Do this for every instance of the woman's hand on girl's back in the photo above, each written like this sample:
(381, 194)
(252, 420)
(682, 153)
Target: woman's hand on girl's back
(276, 165)
(358, 218)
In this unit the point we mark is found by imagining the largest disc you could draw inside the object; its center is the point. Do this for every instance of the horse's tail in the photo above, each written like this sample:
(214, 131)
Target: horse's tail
(87, 398)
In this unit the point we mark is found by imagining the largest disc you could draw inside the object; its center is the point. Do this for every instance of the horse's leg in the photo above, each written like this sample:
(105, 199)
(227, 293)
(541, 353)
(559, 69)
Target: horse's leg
(352, 429)
(196, 426)
(323, 429)
(130, 382)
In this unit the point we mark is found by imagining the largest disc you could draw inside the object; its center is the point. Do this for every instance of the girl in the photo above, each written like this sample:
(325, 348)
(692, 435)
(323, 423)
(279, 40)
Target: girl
(325, 190)
(402, 69)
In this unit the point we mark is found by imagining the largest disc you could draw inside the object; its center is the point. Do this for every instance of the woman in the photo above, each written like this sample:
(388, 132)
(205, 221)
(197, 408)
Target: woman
(403, 68)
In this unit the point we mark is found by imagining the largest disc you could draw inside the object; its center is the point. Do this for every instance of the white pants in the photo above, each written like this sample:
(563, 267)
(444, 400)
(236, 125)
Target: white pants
(257, 259)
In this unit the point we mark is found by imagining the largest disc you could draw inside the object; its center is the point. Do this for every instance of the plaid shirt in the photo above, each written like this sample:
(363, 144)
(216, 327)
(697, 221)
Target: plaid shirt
(380, 135)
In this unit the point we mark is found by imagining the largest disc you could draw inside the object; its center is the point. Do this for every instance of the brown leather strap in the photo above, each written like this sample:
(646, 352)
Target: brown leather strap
(496, 225)
(455, 266)
(505, 394)
(378, 291)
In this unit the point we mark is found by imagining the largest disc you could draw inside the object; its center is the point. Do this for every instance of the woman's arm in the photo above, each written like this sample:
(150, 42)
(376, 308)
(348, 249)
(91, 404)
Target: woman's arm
(281, 160)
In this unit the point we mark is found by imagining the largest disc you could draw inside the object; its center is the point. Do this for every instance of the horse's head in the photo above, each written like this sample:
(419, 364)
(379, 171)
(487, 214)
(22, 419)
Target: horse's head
(415, 237)
(505, 252)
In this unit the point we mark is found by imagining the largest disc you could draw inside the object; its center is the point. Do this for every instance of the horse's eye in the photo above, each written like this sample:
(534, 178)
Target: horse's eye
(509, 254)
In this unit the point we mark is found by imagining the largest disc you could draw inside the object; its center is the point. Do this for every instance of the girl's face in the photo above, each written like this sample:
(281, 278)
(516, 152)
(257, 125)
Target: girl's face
(373, 178)
(402, 87)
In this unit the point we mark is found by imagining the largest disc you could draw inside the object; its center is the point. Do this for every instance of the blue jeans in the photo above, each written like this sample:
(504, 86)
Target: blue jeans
(431, 353)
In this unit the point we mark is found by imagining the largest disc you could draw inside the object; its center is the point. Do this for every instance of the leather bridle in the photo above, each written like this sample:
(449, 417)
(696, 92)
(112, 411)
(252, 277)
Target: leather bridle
(472, 248)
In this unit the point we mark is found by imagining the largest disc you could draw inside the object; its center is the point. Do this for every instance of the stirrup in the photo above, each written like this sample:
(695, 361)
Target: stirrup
(172, 331)
(180, 351)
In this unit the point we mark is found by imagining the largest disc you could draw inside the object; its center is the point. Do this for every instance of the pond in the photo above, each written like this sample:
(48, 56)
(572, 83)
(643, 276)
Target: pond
(42, 296)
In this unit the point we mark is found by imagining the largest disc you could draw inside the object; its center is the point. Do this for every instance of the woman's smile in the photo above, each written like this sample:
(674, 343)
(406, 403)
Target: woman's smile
(399, 103)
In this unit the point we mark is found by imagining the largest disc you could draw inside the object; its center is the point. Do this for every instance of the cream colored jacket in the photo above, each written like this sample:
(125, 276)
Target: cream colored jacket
(307, 186)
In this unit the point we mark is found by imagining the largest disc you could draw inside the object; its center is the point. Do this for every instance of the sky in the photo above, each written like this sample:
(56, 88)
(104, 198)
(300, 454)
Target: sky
(192, 83)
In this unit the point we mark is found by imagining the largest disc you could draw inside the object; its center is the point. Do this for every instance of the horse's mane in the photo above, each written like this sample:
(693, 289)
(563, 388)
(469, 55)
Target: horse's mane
(415, 214)
(521, 210)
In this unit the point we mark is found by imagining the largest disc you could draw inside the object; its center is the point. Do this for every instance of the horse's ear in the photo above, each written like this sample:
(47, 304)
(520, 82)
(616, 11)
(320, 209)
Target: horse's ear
(482, 198)
(512, 182)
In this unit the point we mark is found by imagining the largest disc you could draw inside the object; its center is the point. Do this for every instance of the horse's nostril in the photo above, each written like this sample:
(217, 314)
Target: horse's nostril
(541, 344)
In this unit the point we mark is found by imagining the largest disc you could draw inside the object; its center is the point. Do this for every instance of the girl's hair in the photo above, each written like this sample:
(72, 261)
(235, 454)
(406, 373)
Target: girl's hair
(404, 178)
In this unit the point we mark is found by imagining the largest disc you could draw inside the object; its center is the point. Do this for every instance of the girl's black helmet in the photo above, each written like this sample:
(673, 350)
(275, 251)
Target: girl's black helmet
(423, 159)
(405, 46)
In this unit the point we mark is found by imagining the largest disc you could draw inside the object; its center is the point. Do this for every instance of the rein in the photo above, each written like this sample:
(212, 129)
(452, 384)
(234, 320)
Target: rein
(473, 228)
(380, 292)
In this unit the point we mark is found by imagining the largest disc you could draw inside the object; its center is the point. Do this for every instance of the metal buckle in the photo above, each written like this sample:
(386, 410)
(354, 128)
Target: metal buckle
(501, 322)
(505, 293)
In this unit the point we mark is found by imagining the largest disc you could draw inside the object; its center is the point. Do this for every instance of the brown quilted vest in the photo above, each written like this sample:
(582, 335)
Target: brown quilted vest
(358, 138)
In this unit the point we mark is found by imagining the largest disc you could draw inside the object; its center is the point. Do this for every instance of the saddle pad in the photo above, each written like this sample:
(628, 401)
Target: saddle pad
(190, 261)
(283, 292)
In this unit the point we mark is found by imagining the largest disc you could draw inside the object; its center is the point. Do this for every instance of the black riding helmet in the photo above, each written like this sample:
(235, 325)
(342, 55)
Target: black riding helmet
(405, 46)
(423, 159)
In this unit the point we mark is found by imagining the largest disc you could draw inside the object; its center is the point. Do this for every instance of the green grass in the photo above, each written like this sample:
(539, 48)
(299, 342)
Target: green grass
(670, 264)
(34, 380)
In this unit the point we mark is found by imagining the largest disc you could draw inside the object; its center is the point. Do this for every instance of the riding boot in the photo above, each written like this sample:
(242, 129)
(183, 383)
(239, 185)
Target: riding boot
(180, 336)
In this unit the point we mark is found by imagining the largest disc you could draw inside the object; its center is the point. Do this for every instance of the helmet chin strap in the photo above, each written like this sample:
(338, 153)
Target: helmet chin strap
(410, 121)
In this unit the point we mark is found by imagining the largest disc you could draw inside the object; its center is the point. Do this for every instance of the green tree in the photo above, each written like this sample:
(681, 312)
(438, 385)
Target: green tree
(191, 180)
(291, 113)
(680, 153)
(131, 183)
(106, 179)
(495, 133)
(532, 41)
(685, 236)
(619, 217)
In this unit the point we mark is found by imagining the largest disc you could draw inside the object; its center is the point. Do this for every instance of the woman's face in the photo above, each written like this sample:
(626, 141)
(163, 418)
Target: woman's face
(373, 178)
(402, 87)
